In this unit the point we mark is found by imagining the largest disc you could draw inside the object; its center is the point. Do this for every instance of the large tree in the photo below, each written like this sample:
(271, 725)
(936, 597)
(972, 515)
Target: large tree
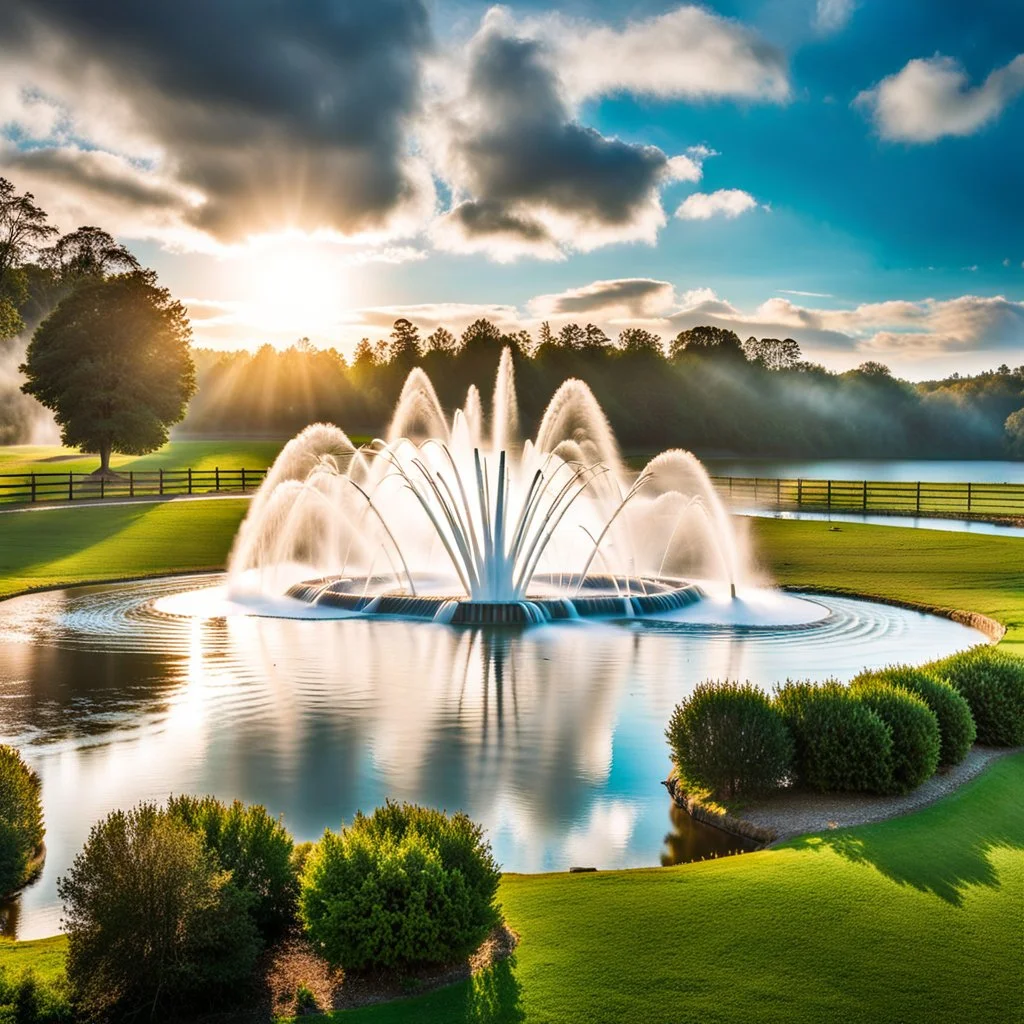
(705, 339)
(113, 363)
(23, 229)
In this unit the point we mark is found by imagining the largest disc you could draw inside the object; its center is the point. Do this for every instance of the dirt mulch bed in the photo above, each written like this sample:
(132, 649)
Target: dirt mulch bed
(294, 963)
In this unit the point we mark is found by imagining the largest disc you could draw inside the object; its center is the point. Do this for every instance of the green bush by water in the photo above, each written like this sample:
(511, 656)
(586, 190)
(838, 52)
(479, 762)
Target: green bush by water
(915, 733)
(152, 920)
(992, 683)
(956, 724)
(253, 846)
(728, 737)
(404, 886)
(21, 820)
(840, 744)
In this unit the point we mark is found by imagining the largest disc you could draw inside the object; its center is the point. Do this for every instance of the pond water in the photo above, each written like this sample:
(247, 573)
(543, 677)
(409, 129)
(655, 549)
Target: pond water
(899, 470)
(552, 737)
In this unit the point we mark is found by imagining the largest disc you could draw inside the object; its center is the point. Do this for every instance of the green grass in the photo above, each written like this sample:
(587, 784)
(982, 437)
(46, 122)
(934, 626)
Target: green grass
(43, 956)
(915, 919)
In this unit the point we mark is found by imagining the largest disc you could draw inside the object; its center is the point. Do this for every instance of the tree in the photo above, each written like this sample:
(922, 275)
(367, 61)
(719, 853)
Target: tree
(594, 339)
(404, 351)
(113, 364)
(480, 334)
(572, 337)
(442, 340)
(636, 340)
(707, 340)
(1015, 433)
(87, 252)
(545, 337)
(772, 354)
(23, 228)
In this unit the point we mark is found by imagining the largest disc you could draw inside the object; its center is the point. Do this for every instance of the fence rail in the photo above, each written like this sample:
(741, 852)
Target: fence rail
(915, 498)
(906, 498)
(25, 488)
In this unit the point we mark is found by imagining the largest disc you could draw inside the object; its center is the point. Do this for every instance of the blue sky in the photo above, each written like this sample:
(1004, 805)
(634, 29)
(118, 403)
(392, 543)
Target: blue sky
(846, 173)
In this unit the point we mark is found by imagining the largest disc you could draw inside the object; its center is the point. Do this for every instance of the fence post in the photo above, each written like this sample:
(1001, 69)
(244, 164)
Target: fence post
(216, 478)
(71, 486)
(131, 483)
(865, 503)
(778, 494)
(103, 488)
(968, 496)
(189, 479)
(243, 480)
(33, 487)
(799, 493)
(918, 497)
(161, 481)
(828, 492)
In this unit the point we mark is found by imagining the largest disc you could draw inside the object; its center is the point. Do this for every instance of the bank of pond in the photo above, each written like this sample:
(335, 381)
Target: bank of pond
(199, 906)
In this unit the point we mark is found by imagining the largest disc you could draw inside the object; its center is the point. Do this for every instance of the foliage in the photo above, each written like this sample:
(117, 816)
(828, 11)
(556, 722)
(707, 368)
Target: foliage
(914, 728)
(151, 918)
(728, 738)
(956, 724)
(26, 999)
(253, 846)
(21, 820)
(1014, 427)
(771, 353)
(113, 364)
(404, 886)
(23, 230)
(840, 743)
(992, 683)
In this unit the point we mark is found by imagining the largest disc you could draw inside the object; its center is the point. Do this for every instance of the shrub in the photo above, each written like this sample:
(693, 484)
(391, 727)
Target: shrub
(26, 1000)
(151, 918)
(840, 744)
(956, 724)
(992, 682)
(915, 733)
(253, 846)
(406, 885)
(728, 738)
(21, 821)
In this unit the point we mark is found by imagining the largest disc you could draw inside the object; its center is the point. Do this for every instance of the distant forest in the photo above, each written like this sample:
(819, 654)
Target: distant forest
(705, 390)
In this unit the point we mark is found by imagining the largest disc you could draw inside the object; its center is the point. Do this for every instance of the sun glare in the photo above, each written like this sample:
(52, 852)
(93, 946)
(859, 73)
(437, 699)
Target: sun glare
(293, 285)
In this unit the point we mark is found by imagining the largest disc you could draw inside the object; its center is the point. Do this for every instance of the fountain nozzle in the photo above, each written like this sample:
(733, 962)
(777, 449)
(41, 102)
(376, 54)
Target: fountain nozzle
(732, 591)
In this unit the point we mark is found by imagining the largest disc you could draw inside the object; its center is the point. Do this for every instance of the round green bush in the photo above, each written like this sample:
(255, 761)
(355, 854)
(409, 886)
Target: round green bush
(253, 846)
(21, 821)
(728, 738)
(956, 723)
(407, 885)
(153, 922)
(915, 733)
(992, 682)
(840, 744)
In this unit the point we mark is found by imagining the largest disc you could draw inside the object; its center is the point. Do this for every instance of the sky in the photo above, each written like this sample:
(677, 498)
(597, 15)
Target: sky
(843, 172)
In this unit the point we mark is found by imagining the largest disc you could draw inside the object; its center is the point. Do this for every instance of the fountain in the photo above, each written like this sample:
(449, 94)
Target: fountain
(462, 521)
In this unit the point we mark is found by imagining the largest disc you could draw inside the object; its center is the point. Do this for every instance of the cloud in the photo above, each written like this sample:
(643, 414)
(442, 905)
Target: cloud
(635, 296)
(688, 53)
(812, 295)
(932, 97)
(273, 115)
(727, 202)
(527, 177)
(833, 15)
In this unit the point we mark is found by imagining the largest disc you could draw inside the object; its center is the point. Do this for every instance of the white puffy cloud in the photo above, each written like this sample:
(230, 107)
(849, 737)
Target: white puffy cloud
(725, 202)
(833, 15)
(932, 97)
(687, 53)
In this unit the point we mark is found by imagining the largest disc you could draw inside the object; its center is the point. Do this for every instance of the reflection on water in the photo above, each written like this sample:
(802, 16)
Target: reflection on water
(551, 737)
(692, 840)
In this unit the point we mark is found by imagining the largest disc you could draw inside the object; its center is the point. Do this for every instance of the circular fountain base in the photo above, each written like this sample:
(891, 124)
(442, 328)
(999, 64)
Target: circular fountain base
(594, 597)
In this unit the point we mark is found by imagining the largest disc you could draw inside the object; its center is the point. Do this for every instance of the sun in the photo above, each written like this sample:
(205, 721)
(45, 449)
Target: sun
(292, 285)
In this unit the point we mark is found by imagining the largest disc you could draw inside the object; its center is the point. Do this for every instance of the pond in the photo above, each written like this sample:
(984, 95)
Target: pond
(552, 736)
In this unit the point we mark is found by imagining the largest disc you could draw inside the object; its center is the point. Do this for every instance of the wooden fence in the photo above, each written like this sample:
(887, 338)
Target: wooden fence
(894, 497)
(915, 498)
(17, 488)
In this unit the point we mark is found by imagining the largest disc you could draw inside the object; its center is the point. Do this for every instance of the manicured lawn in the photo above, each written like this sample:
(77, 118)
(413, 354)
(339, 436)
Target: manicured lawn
(43, 956)
(916, 919)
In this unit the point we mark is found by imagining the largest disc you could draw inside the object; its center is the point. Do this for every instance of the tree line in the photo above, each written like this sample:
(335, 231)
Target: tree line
(703, 389)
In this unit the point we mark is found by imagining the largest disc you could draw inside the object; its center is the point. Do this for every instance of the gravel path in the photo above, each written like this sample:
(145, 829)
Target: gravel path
(793, 814)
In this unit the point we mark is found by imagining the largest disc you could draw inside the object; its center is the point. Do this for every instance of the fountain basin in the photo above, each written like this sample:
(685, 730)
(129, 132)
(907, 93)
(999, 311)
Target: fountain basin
(559, 597)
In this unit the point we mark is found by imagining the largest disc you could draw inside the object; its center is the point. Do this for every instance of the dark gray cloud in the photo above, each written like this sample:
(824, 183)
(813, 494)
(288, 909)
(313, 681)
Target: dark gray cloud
(295, 114)
(529, 168)
(635, 295)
